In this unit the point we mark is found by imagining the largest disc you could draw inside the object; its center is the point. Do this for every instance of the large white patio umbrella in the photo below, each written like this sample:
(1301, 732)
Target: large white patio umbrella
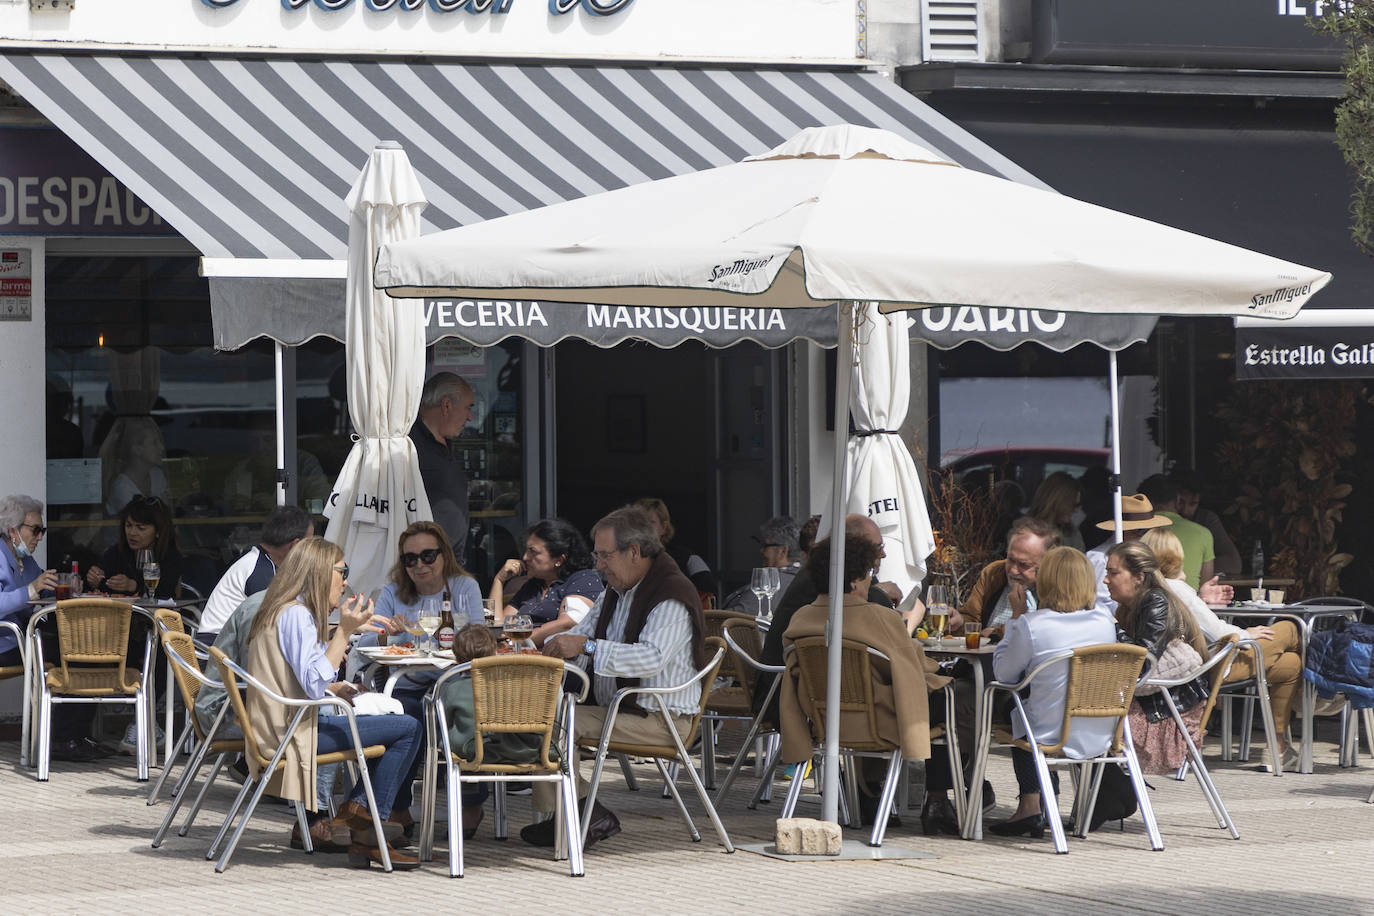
(883, 482)
(379, 491)
(843, 215)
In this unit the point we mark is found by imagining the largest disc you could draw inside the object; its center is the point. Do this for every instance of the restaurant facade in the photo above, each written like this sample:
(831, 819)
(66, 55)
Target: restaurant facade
(173, 238)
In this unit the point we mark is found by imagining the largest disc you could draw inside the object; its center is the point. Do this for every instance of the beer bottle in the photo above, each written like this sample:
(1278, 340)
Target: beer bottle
(445, 632)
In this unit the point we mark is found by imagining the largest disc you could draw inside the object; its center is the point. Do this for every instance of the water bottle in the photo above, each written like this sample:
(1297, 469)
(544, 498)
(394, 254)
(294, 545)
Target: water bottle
(1257, 560)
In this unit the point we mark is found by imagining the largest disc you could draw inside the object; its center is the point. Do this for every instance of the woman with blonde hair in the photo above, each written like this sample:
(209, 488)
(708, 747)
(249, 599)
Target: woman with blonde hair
(692, 565)
(1065, 619)
(1279, 644)
(291, 651)
(1056, 500)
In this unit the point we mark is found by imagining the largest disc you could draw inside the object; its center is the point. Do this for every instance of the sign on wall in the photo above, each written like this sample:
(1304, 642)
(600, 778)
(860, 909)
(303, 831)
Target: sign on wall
(1266, 34)
(50, 186)
(16, 284)
(1325, 343)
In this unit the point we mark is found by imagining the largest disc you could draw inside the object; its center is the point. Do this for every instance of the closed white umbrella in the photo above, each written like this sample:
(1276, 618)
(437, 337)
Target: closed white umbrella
(379, 491)
(840, 215)
(883, 482)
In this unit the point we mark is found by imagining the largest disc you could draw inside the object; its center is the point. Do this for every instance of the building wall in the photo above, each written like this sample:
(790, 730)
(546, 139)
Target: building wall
(728, 29)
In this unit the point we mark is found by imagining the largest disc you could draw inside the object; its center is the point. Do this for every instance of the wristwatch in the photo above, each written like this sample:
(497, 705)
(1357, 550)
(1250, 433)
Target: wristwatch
(589, 648)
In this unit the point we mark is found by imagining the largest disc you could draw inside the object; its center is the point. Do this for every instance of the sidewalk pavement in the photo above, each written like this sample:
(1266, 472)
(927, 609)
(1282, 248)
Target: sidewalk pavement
(82, 840)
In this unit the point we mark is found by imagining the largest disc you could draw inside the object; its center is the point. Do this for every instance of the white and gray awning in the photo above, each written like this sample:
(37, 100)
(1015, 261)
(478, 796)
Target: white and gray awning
(250, 158)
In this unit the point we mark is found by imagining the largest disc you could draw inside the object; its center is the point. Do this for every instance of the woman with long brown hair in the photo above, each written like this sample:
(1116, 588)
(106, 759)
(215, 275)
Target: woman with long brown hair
(291, 650)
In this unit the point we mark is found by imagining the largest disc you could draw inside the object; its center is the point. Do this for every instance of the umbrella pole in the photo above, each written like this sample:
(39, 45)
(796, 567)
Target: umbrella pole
(834, 629)
(279, 363)
(1116, 444)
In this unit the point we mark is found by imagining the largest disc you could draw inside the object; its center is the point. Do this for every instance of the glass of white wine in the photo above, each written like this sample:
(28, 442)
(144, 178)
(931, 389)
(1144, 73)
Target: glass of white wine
(426, 619)
(759, 581)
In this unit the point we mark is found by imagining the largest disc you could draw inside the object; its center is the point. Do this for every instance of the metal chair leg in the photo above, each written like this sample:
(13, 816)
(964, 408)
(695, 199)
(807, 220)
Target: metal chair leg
(894, 766)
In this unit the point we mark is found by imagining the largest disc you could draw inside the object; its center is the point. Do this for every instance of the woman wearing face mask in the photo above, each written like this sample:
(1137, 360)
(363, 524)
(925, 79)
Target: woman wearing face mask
(1057, 501)
(144, 524)
(22, 581)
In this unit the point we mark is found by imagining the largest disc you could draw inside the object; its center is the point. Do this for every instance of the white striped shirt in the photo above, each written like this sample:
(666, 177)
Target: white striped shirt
(661, 658)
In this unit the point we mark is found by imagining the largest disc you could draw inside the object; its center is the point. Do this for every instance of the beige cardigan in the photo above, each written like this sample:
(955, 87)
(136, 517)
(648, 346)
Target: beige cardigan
(295, 775)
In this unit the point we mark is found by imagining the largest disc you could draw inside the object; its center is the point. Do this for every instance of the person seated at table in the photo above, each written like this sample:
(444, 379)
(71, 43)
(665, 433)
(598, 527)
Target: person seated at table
(778, 543)
(805, 588)
(561, 584)
(902, 686)
(145, 523)
(292, 653)
(427, 568)
(253, 572)
(1280, 645)
(470, 642)
(1137, 516)
(1056, 501)
(1005, 589)
(1148, 614)
(23, 581)
(1064, 619)
(1199, 553)
(692, 565)
(646, 630)
(1190, 491)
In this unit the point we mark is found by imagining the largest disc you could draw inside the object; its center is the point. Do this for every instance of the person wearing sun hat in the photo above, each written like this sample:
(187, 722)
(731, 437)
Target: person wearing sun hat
(1137, 517)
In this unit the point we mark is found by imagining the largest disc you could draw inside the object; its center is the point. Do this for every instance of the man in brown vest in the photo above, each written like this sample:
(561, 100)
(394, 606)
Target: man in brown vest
(647, 629)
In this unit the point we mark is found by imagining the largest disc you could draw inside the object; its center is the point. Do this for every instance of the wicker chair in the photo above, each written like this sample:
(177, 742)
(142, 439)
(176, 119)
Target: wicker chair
(732, 700)
(809, 656)
(745, 639)
(675, 752)
(167, 620)
(93, 645)
(1101, 684)
(181, 651)
(1214, 666)
(512, 694)
(267, 758)
(8, 672)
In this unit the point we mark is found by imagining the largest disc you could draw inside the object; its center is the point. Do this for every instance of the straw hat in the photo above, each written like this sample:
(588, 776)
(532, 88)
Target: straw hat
(1136, 513)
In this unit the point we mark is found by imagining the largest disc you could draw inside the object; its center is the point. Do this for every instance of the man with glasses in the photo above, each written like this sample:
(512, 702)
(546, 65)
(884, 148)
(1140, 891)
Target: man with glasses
(646, 630)
(778, 544)
(1006, 588)
(253, 572)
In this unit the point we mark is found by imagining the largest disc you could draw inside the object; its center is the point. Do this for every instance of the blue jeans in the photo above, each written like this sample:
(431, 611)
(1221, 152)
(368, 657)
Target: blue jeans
(402, 737)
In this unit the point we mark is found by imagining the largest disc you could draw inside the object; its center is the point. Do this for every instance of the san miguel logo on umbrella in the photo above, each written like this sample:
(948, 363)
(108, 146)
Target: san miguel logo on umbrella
(738, 267)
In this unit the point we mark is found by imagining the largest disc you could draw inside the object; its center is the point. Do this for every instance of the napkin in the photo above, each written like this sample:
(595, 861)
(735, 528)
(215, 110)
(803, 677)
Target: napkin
(377, 704)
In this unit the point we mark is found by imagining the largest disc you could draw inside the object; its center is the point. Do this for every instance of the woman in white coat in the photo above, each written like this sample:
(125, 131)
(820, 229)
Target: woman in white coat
(1066, 588)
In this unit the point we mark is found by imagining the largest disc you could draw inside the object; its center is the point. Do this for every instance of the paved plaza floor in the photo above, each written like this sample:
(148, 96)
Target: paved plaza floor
(82, 841)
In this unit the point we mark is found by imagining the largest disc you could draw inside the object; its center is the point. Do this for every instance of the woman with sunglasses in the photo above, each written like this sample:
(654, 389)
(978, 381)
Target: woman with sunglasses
(562, 585)
(291, 650)
(144, 524)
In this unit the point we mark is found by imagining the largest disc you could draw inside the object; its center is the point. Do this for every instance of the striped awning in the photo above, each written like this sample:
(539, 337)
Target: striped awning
(250, 158)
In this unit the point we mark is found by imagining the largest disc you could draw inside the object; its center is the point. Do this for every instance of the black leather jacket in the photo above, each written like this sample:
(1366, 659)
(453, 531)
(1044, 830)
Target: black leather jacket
(1149, 629)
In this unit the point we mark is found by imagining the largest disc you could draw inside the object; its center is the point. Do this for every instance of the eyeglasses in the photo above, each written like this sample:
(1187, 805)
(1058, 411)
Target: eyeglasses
(605, 555)
(36, 529)
(427, 557)
(342, 571)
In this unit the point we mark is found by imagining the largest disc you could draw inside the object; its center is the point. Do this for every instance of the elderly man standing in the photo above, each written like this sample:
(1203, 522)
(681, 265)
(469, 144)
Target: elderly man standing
(647, 629)
(445, 408)
(1006, 588)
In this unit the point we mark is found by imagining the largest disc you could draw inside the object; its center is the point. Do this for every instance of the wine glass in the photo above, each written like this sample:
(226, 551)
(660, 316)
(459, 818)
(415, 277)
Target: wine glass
(427, 618)
(411, 620)
(518, 629)
(152, 575)
(758, 584)
(937, 610)
(771, 587)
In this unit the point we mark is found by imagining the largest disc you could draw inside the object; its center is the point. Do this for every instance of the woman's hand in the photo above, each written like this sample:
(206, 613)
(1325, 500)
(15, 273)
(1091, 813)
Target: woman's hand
(914, 616)
(94, 575)
(510, 569)
(354, 614)
(46, 581)
(1261, 632)
(121, 583)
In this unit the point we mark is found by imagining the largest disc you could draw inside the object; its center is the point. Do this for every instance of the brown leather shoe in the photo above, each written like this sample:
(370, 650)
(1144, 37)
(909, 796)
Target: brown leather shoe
(359, 820)
(362, 856)
(325, 836)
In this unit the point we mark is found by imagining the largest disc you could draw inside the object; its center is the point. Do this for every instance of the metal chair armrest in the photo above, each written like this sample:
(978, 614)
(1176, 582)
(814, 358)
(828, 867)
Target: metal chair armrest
(749, 659)
(664, 691)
